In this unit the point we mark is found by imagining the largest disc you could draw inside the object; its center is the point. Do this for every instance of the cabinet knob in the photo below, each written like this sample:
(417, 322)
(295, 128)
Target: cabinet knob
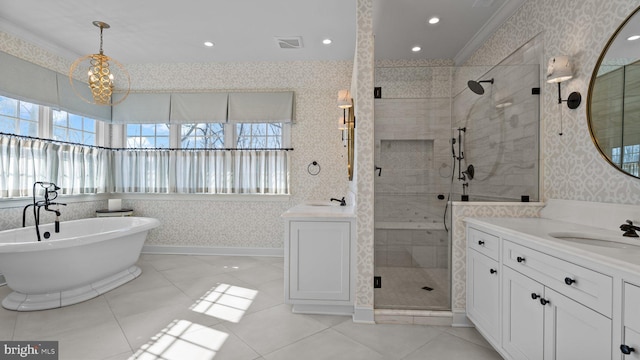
(534, 296)
(493, 271)
(569, 281)
(626, 349)
(520, 259)
(480, 242)
(544, 301)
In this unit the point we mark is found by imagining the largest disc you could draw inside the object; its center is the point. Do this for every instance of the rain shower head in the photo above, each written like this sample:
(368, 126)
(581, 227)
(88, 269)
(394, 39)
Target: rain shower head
(476, 86)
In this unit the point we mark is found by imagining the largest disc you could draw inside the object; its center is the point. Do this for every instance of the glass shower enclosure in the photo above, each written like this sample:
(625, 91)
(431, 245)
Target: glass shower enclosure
(429, 127)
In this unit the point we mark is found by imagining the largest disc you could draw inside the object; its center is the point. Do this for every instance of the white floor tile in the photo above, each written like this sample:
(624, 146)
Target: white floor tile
(273, 328)
(392, 341)
(326, 345)
(449, 347)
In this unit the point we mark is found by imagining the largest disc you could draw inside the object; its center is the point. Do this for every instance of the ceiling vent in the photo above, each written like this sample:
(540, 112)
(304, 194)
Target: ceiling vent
(289, 42)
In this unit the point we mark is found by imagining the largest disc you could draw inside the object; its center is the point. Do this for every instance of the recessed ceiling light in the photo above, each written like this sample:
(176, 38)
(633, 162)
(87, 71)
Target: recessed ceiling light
(416, 48)
(634, 37)
(208, 44)
(434, 20)
(327, 41)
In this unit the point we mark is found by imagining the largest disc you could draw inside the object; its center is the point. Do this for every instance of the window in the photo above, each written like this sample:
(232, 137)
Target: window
(202, 136)
(148, 135)
(628, 158)
(18, 117)
(73, 128)
(258, 135)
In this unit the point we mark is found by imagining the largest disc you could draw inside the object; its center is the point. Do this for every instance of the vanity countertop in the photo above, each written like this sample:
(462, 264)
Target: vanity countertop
(320, 210)
(535, 233)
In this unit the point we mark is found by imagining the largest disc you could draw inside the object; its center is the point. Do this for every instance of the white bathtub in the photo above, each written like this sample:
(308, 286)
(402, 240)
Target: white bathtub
(86, 258)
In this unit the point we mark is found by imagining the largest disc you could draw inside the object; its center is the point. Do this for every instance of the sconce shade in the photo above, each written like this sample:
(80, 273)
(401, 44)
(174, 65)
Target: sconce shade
(559, 69)
(344, 99)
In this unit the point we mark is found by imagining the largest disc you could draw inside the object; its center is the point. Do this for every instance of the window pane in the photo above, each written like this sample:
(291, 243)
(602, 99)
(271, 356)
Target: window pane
(75, 136)
(162, 142)
(8, 106)
(90, 125)
(7, 125)
(75, 121)
(162, 129)
(209, 135)
(28, 111)
(133, 129)
(148, 129)
(28, 128)
(59, 133)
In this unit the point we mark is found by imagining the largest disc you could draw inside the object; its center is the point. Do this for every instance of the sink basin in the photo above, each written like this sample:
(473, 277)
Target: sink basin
(596, 240)
(319, 203)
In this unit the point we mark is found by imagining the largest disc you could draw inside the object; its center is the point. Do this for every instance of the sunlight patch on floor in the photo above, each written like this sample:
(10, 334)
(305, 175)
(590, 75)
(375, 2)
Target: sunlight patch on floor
(226, 302)
(181, 340)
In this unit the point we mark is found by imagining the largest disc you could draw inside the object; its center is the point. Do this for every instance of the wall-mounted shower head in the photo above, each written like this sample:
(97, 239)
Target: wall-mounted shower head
(476, 86)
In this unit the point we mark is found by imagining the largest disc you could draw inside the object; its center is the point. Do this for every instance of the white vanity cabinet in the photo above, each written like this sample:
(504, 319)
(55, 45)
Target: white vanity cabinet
(319, 261)
(630, 347)
(483, 292)
(546, 308)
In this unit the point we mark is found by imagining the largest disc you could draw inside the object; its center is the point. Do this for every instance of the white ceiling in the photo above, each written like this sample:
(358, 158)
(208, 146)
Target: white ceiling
(166, 31)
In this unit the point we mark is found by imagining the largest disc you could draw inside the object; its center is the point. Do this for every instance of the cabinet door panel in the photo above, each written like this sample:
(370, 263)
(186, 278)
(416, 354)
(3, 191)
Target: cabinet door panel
(573, 331)
(483, 301)
(319, 260)
(632, 340)
(522, 316)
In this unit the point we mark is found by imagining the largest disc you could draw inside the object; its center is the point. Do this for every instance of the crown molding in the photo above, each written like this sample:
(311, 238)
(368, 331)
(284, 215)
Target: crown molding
(498, 19)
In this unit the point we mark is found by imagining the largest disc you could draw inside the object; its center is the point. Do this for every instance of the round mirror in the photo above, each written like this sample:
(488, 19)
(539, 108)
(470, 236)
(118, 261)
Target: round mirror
(613, 109)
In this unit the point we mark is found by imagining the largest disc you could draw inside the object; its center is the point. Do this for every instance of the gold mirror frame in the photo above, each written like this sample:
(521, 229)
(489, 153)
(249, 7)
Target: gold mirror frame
(592, 83)
(351, 134)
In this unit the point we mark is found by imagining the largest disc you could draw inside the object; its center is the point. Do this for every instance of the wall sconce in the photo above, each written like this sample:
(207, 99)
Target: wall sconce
(344, 99)
(560, 69)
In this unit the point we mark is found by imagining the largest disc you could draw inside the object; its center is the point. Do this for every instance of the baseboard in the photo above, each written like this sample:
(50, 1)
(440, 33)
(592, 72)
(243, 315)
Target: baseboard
(211, 250)
(460, 319)
(364, 315)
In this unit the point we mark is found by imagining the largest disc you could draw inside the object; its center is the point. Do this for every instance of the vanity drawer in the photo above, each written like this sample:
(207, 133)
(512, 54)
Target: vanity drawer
(484, 243)
(583, 285)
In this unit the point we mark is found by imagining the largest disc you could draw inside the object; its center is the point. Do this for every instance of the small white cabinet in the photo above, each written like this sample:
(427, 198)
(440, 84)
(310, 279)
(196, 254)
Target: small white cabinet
(630, 347)
(319, 260)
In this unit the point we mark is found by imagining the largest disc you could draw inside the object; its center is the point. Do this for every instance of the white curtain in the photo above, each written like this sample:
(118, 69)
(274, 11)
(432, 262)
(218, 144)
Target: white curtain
(201, 171)
(75, 169)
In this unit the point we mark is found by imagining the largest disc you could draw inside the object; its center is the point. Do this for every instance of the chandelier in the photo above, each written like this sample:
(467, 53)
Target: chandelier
(102, 74)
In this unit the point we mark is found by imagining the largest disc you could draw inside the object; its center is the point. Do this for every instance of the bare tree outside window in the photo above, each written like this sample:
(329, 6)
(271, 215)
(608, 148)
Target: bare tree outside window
(259, 135)
(202, 136)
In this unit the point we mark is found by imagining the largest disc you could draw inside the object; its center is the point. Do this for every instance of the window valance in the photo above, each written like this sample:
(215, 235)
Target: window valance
(199, 107)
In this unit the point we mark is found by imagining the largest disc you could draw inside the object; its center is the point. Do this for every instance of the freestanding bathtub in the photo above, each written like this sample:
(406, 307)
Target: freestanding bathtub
(88, 257)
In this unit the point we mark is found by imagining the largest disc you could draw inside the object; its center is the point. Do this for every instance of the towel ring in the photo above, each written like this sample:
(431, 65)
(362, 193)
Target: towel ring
(313, 168)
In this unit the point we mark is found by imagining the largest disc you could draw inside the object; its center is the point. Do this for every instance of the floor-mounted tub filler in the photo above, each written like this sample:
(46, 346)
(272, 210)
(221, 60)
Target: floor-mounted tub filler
(88, 257)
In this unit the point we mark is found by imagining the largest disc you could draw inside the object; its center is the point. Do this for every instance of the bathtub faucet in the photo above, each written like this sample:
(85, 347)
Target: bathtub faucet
(50, 194)
(341, 201)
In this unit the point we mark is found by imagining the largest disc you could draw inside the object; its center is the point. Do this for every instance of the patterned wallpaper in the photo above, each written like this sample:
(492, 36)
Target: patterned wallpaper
(363, 71)
(314, 137)
(572, 167)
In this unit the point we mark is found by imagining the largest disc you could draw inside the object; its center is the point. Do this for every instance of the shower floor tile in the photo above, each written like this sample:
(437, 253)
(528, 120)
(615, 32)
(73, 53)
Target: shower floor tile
(402, 288)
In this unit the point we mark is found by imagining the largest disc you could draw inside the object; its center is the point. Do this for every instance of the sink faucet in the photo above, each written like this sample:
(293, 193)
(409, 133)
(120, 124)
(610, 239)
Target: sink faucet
(629, 229)
(341, 201)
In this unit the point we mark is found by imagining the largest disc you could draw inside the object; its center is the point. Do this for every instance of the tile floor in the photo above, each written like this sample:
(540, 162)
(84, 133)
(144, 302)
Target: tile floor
(223, 307)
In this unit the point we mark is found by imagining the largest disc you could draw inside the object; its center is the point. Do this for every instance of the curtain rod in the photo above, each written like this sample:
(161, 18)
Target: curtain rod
(137, 149)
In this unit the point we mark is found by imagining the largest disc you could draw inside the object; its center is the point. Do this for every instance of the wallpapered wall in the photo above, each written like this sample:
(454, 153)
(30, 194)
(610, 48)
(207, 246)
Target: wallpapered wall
(572, 167)
(314, 137)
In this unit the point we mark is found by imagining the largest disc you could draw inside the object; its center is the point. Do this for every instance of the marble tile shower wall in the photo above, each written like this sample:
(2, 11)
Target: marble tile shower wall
(502, 135)
(412, 131)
